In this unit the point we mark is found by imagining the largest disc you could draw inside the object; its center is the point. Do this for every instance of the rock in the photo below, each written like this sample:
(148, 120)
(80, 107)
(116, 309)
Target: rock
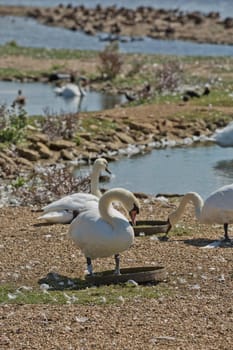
(43, 150)
(24, 162)
(28, 153)
(67, 155)
(37, 137)
(61, 144)
(145, 128)
(125, 138)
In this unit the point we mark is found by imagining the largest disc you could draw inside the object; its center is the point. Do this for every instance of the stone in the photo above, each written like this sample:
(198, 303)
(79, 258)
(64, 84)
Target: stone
(66, 155)
(58, 145)
(37, 137)
(43, 150)
(28, 153)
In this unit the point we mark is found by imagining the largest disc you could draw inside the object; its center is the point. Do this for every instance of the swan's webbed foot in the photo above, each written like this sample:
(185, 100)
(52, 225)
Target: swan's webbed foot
(89, 267)
(117, 267)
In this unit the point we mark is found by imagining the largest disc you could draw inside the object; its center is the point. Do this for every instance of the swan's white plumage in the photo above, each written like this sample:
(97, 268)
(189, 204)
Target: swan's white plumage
(224, 137)
(62, 210)
(69, 90)
(104, 231)
(217, 208)
(97, 238)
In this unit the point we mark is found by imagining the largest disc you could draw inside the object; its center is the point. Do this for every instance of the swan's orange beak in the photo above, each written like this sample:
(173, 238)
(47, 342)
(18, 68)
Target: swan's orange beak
(133, 214)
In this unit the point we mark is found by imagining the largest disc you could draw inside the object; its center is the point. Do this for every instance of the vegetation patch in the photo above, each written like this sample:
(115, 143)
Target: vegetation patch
(87, 295)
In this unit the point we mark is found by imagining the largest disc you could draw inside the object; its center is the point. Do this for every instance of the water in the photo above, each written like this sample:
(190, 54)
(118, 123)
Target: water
(175, 170)
(40, 99)
(29, 33)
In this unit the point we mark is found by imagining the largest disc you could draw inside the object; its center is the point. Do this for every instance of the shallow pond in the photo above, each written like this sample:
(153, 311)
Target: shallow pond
(29, 33)
(175, 170)
(41, 98)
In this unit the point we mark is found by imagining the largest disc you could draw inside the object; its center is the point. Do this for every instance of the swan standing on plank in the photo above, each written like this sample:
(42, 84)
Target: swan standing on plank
(72, 89)
(62, 210)
(103, 231)
(217, 208)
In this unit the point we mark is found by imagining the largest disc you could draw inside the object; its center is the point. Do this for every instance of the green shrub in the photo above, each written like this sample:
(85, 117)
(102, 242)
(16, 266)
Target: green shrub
(12, 125)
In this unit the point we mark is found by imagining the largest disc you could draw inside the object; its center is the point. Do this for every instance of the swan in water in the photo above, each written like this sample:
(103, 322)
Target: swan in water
(224, 137)
(217, 208)
(72, 89)
(102, 231)
(62, 210)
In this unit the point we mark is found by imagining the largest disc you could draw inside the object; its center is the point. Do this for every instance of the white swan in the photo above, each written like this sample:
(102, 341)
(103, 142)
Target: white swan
(224, 137)
(217, 208)
(103, 231)
(63, 210)
(72, 89)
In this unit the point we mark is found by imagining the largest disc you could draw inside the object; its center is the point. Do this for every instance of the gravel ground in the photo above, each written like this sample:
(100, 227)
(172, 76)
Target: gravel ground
(195, 312)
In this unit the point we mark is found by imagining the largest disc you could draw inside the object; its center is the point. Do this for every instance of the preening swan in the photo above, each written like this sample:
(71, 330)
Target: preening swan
(217, 208)
(224, 137)
(62, 210)
(103, 231)
(72, 89)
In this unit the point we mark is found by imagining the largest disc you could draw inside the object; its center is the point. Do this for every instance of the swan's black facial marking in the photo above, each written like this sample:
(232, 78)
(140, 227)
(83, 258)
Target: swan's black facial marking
(136, 208)
(75, 214)
(107, 170)
(133, 212)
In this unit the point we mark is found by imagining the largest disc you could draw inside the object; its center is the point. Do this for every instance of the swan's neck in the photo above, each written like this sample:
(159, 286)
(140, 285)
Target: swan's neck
(95, 182)
(81, 90)
(105, 205)
(193, 197)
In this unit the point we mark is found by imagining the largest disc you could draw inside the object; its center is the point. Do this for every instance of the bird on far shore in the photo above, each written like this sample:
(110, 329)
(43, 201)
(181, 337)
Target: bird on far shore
(191, 93)
(20, 100)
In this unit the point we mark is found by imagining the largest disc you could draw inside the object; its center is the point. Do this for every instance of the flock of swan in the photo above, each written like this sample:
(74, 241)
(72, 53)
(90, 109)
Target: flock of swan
(100, 230)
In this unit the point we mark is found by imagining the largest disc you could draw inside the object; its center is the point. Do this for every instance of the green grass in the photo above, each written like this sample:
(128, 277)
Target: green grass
(12, 49)
(111, 294)
(95, 125)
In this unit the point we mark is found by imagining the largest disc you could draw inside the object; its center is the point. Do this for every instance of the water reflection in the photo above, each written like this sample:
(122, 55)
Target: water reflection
(41, 99)
(224, 168)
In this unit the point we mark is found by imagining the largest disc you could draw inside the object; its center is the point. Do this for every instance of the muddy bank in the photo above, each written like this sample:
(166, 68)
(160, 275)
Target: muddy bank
(120, 23)
(112, 134)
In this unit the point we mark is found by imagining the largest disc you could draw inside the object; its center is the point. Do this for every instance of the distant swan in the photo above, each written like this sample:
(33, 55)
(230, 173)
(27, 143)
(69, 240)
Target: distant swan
(217, 208)
(72, 89)
(224, 137)
(103, 231)
(62, 210)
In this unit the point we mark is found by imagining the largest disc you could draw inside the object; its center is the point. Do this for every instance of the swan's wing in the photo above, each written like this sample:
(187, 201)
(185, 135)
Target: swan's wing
(97, 238)
(218, 207)
(58, 217)
(71, 202)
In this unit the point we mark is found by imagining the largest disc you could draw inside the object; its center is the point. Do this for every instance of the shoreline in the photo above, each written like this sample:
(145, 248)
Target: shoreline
(135, 24)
